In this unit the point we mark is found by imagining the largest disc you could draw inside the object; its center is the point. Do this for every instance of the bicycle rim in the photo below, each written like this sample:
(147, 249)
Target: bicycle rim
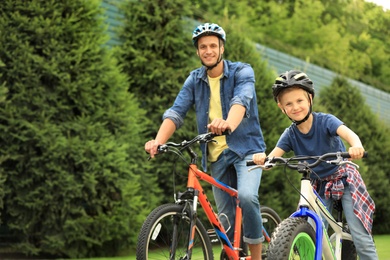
(164, 235)
(270, 221)
(302, 247)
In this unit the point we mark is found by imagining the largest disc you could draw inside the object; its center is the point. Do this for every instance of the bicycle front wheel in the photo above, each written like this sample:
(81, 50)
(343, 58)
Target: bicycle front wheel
(165, 235)
(294, 238)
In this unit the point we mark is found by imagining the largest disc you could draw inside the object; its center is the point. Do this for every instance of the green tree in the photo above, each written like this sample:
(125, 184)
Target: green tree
(157, 54)
(349, 37)
(3, 94)
(346, 102)
(70, 147)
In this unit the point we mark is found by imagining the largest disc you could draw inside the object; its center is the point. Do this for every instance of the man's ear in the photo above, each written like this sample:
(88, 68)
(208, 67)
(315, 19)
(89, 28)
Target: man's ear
(281, 108)
(197, 52)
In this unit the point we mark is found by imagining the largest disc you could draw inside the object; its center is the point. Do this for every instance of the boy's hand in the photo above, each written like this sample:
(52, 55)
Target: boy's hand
(259, 158)
(356, 152)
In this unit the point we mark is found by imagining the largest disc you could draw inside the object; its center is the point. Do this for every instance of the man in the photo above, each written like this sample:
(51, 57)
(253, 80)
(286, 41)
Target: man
(223, 94)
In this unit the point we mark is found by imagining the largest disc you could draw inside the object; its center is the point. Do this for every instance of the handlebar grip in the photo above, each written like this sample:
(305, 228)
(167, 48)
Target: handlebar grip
(346, 155)
(250, 163)
(226, 132)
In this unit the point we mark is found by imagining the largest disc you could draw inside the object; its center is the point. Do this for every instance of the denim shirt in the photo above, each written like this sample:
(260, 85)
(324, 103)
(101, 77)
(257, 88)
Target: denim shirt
(237, 87)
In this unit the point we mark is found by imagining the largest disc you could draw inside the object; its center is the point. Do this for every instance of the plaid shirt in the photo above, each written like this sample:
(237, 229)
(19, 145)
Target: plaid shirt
(363, 204)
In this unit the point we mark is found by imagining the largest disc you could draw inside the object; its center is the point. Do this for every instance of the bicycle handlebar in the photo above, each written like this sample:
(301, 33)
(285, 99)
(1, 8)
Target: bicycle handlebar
(271, 162)
(202, 138)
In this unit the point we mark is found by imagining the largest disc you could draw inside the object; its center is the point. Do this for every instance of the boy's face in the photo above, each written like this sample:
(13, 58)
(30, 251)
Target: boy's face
(295, 103)
(209, 49)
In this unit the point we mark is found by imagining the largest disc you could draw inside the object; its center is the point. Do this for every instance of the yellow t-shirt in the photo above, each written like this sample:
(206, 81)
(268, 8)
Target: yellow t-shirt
(215, 149)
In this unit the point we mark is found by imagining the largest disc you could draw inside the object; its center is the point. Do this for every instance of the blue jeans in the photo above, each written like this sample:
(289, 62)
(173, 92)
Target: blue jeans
(232, 170)
(363, 241)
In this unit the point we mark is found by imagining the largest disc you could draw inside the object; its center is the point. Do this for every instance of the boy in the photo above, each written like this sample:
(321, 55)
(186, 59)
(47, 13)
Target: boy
(313, 133)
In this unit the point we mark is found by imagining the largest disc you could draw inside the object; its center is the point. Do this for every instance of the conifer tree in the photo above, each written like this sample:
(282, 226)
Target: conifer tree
(69, 144)
(156, 52)
(347, 103)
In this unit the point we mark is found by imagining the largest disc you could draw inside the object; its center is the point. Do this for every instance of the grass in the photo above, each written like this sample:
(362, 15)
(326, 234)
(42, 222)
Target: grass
(382, 243)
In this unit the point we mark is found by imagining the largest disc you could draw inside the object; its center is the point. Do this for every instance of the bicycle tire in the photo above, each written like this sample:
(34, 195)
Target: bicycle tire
(293, 238)
(157, 233)
(271, 220)
(348, 250)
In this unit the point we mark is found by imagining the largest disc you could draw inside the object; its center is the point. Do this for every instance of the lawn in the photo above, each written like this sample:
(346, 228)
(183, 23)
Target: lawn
(382, 243)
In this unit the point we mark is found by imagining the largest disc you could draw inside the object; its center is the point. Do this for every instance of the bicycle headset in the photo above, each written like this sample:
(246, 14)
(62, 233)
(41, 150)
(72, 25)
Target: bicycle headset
(209, 29)
(294, 78)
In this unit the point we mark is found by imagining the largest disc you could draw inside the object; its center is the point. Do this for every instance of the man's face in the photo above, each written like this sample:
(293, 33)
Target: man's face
(209, 49)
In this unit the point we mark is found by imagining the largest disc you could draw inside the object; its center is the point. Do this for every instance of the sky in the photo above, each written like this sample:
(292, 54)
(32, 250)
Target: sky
(384, 3)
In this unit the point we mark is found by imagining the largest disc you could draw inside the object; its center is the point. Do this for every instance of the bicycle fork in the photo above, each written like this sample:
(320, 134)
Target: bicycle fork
(306, 203)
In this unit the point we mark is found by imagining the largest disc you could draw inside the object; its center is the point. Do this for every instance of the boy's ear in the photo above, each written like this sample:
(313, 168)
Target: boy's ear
(281, 108)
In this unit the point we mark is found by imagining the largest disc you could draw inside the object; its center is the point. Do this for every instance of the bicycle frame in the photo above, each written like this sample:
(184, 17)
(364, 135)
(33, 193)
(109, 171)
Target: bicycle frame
(186, 208)
(308, 198)
(193, 184)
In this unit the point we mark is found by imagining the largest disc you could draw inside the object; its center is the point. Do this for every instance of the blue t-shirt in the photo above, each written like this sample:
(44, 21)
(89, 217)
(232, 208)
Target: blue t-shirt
(322, 138)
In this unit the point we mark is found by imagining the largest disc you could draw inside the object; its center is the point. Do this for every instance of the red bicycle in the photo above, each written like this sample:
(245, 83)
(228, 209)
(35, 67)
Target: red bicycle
(174, 231)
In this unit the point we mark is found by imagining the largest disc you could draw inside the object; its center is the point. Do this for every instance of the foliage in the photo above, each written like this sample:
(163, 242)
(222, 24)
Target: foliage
(348, 37)
(243, 21)
(348, 106)
(69, 161)
(157, 54)
(74, 180)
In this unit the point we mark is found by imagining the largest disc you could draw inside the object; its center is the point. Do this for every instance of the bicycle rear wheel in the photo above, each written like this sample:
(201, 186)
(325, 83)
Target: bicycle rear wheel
(271, 220)
(294, 238)
(164, 235)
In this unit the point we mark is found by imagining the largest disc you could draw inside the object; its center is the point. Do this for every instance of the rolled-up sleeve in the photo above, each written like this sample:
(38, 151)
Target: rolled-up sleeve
(244, 90)
(183, 102)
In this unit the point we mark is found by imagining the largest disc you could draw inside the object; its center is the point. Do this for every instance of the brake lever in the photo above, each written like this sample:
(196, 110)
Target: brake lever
(349, 162)
(266, 166)
(336, 161)
(340, 161)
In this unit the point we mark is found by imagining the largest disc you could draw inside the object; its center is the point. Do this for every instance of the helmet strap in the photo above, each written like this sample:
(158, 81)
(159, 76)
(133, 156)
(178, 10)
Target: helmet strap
(304, 119)
(215, 65)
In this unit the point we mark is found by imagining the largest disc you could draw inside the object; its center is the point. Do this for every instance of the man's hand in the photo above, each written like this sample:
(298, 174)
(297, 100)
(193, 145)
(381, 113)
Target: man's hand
(151, 147)
(259, 158)
(218, 126)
